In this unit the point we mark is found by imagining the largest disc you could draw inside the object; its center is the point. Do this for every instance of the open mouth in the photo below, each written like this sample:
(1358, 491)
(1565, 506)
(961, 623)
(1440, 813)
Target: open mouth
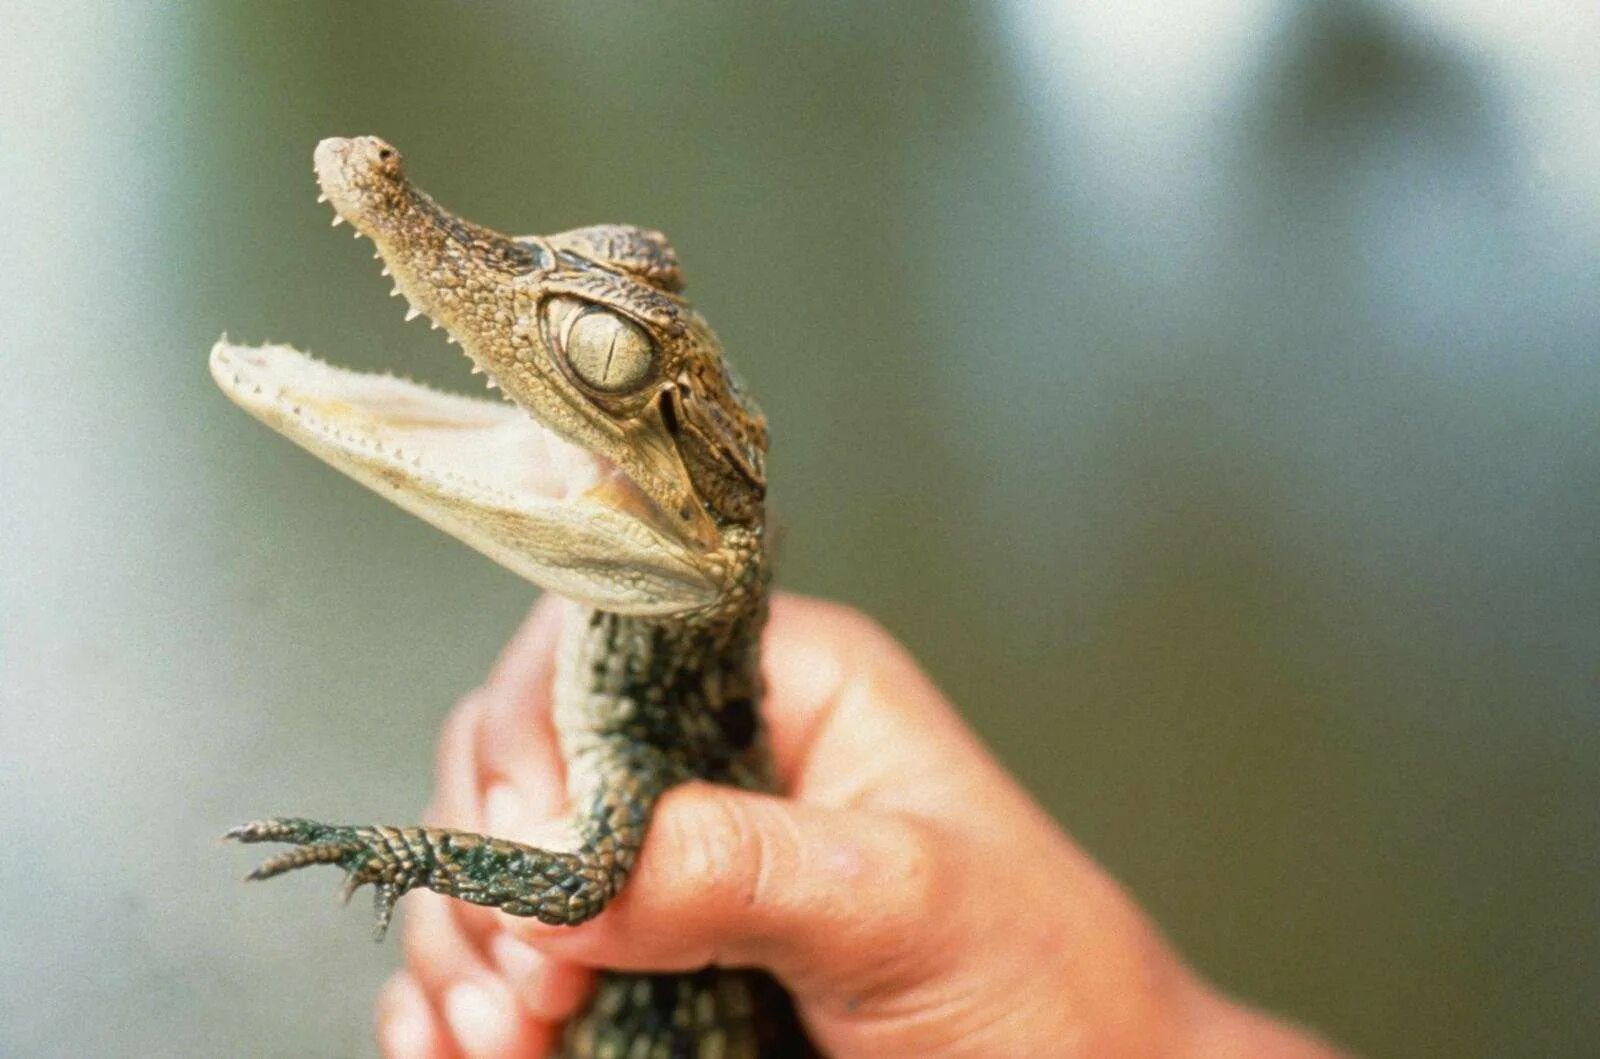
(485, 470)
(488, 451)
(482, 470)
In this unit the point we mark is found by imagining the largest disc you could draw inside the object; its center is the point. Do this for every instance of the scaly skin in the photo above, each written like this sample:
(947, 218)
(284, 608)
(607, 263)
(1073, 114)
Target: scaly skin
(587, 333)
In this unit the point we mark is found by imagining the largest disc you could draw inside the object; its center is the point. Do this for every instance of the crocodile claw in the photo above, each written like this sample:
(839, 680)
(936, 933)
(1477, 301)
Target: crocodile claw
(365, 853)
(277, 829)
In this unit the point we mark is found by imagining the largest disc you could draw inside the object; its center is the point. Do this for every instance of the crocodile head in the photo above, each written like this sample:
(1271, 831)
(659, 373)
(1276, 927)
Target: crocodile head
(624, 466)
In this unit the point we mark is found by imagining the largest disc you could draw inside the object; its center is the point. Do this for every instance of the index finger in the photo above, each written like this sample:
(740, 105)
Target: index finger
(853, 719)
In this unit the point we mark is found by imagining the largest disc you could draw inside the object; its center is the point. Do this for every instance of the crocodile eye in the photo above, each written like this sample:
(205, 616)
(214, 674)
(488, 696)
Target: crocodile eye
(607, 352)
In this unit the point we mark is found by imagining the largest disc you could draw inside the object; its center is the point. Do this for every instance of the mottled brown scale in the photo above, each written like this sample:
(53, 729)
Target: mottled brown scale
(641, 252)
(659, 681)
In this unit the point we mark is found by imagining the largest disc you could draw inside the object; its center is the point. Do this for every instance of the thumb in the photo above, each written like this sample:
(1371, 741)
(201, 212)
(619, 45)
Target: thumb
(824, 898)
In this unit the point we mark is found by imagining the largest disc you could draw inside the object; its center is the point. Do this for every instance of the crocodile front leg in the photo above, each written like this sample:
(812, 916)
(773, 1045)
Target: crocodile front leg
(558, 887)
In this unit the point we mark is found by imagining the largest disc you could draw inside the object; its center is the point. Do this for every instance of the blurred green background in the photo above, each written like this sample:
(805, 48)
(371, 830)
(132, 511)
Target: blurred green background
(1207, 393)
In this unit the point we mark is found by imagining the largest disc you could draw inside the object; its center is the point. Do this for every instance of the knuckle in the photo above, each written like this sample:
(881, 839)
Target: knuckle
(720, 850)
(705, 842)
(921, 889)
(905, 928)
(460, 724)
(401, 998)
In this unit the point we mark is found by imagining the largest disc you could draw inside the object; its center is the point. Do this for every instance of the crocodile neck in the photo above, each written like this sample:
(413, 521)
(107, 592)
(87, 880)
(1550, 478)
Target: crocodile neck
(663, 700)
(686, 689)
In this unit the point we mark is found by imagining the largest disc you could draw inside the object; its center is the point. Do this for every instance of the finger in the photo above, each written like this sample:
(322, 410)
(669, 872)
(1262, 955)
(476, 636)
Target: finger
(457, 798)
(854, 720)
(478, 1011)
(506, 814)
(497, 761)
(471, 795)
(815, 653)
(501, 730)
(517, 671)
(550, 989)
(405, 1023)
(824, 898)
(516, 736)
(520, 677)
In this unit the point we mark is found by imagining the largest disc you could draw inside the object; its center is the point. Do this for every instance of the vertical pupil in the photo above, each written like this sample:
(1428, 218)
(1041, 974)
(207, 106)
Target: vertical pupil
(607, 351)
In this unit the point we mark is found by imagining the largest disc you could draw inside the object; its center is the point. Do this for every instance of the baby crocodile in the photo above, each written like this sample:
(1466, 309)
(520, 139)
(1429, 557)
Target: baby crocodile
(624, 470)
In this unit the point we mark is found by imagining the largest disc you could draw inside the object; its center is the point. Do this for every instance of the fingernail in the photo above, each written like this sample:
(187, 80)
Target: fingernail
(502, 809)
(546, 988)
(517, 959)
(547, 792)
(405, 1029)
(480, 1016)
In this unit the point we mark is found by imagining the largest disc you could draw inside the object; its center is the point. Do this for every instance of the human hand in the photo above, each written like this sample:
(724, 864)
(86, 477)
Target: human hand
(906, 890)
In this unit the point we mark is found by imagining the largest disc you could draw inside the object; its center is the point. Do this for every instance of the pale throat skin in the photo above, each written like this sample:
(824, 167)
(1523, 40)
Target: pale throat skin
(625, 471)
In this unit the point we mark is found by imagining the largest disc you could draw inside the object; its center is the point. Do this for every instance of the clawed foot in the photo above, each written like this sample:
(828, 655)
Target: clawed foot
(386, 857)
(556, 887)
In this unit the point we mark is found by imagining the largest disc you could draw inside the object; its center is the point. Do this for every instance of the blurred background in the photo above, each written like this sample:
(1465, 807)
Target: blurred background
(1207, 393)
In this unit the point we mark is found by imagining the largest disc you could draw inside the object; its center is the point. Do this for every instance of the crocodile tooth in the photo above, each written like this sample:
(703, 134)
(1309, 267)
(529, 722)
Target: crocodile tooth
(412, 313)
(337, 220)
(322, 197)
(394, 292)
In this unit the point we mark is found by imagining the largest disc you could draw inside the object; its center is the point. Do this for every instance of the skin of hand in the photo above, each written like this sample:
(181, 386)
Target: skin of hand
(906, 890)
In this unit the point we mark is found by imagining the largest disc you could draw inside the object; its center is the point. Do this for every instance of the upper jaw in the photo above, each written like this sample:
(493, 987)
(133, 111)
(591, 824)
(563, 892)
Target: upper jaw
(484, 289)
(445, 266)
